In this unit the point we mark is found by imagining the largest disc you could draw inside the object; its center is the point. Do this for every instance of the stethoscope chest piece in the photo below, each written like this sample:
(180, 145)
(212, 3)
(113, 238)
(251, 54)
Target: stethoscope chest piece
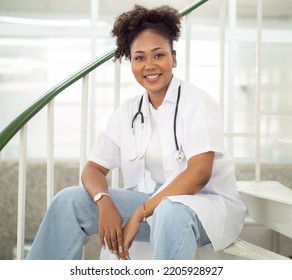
(137, 156)
(180, 156)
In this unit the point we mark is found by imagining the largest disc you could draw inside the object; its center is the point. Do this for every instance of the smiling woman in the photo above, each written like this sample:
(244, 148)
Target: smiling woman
(192, 201)
(146, 38)
(152, 67)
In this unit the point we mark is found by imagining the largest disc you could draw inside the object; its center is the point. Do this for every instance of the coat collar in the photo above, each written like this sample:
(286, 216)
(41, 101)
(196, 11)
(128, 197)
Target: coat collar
(171, 96)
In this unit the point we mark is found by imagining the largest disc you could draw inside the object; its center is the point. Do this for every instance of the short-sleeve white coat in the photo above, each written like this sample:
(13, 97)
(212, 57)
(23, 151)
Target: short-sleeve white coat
(199, 129)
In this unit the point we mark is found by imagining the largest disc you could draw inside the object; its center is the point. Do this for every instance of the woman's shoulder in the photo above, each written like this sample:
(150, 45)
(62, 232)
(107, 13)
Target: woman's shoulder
(130, 103)
(127, 107)
(196, 95)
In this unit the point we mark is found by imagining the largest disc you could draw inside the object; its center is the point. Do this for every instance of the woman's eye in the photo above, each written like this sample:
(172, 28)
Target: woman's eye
(159, 55)
(139, 58)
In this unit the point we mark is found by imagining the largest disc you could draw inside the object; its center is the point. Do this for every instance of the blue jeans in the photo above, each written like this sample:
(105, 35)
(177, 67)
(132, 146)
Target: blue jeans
(73, 217)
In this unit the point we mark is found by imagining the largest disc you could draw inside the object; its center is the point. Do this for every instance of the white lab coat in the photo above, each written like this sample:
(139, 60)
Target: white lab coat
(199, 129)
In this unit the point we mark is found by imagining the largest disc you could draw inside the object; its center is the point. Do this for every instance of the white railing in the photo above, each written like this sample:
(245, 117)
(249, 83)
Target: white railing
(21, 193)
(258, 90)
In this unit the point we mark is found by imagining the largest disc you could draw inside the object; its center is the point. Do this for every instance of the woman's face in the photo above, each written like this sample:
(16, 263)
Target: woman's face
(152, 61)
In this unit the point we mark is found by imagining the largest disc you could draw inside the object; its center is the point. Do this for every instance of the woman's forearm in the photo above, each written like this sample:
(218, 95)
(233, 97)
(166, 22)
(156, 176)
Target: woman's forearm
(94, 178)
(189, 182)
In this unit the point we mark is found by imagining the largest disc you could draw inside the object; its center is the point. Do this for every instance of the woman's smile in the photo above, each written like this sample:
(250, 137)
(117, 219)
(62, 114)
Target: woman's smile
(153, 78)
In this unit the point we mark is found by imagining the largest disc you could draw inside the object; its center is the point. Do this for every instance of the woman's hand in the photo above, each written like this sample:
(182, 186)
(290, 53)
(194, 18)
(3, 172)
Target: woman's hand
(110, 225)
(130, 230)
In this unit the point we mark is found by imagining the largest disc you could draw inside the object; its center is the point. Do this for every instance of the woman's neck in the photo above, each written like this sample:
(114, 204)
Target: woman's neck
(156, 100)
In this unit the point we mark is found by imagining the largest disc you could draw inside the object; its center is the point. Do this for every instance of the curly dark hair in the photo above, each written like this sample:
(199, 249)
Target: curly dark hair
(164, 20)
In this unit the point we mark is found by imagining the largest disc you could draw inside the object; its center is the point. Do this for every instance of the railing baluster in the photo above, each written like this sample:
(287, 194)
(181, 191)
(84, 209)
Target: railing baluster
(222, 14)
(117, 86)
(21, 193)
(115, 172)
(188, 47)
(50, 152)
(84, 123)
(258, 91)
(83, 130)
(229, 102)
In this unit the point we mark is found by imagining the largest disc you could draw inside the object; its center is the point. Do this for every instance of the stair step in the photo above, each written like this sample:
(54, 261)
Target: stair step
(267, 190)
(268, 203)
(239, 250)
(247, 250)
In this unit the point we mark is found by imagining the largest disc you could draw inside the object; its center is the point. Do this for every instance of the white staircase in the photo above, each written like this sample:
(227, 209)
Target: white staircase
(269, 203)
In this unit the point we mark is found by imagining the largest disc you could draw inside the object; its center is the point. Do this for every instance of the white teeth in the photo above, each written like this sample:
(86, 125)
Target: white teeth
(152, 77)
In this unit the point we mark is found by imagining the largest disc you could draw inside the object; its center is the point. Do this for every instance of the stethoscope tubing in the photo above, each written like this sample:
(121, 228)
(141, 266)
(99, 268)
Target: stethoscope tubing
(175, 119)
(139, 113)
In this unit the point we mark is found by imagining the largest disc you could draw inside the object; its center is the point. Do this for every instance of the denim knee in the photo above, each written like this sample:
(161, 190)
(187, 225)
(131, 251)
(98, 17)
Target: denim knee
(167, 212)
(69, 197)
(169, 218)
(165, 217)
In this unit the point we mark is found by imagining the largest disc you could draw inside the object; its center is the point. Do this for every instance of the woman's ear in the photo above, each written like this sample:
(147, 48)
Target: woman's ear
(174, 58)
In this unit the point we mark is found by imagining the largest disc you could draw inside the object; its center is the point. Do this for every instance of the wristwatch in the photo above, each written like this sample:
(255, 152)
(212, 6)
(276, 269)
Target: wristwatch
(98, 196)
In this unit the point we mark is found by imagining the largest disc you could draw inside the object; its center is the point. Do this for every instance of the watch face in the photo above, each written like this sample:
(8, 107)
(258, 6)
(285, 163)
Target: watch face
(99, 196)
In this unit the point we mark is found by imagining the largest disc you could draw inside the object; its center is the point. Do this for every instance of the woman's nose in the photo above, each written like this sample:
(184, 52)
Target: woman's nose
(150, 64)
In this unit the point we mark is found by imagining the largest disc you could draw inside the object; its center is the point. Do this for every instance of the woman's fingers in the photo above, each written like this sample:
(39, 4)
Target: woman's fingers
(120, 242)
(125, 254)
(101, 238)
(113, 239)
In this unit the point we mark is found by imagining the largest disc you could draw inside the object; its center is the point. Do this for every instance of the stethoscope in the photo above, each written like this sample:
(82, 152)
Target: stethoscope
(139, 155)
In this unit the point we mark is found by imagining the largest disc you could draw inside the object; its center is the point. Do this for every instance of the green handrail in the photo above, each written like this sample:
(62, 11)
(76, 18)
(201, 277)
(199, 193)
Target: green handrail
(192, 7)
(11, 129)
